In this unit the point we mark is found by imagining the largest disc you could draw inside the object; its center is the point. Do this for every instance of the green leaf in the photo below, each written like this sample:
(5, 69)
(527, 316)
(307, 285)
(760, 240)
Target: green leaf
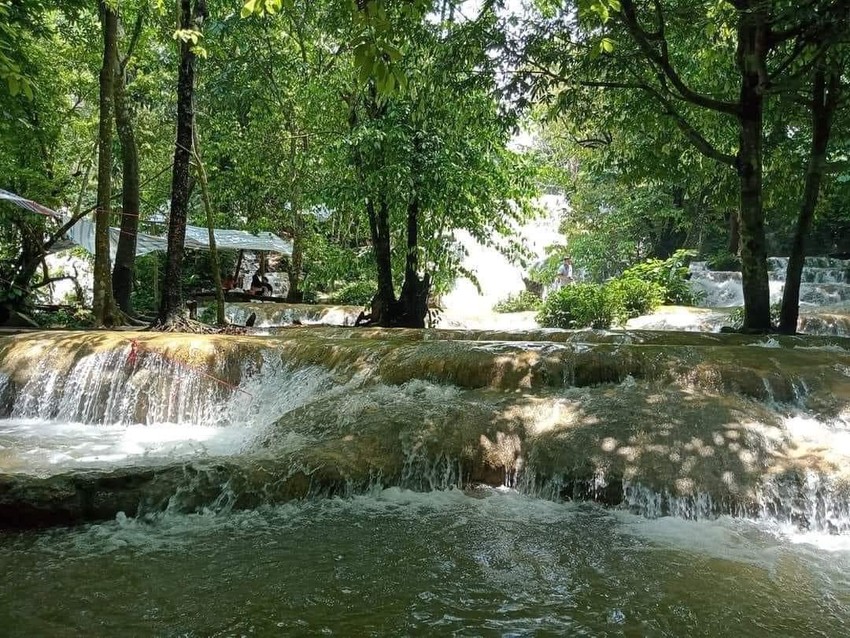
(394, 54)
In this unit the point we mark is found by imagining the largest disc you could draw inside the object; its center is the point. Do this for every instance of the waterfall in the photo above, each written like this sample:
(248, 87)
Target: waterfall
(694, 426)
(825, 282)
(105, 387)
(110, 388)
(498, 276)
(811, 501)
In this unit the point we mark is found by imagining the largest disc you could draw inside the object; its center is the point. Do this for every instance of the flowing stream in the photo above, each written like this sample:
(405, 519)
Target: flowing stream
(401, 563)
(335, 482)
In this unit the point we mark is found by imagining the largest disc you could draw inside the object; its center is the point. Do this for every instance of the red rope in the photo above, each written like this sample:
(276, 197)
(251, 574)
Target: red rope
(136, 347)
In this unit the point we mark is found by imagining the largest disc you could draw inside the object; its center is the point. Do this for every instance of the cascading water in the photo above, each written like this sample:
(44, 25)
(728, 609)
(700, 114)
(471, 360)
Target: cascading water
(207, 538)
(468, 306)
(824, 298)
(825, 282)
(108, 411)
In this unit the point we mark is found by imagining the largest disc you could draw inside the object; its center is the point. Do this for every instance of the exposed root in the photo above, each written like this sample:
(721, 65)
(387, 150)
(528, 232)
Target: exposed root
(182, 324)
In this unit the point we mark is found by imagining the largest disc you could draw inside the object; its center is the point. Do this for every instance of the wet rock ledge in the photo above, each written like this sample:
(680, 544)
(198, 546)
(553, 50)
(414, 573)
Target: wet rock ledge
(664, 423)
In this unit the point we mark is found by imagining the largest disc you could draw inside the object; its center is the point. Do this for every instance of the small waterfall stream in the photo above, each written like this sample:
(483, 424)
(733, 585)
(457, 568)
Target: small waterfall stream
(430, 413)
(824, 298)
(112, 409)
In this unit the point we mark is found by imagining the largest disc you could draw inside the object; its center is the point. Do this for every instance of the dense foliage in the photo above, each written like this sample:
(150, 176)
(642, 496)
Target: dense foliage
(637, 291)
(579, 306)
(669, 276)
(369, 132)
(356, 293)
(633, 297)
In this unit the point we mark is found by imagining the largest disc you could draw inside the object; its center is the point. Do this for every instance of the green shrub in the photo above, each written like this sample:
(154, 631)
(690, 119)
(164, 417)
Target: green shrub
(579, 306)
(671, 275)
(521, 302)
(65, 318)
(356, 293)
(634, 297)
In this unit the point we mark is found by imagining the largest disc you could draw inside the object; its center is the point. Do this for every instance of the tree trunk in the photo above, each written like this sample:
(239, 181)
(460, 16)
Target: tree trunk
(125, 256)
(412, 306)
(751, 57)
(296, 263)
(103, 304)
(413, 301)
(205, 195)
(379, 226)
(824, 103)
(172, 290)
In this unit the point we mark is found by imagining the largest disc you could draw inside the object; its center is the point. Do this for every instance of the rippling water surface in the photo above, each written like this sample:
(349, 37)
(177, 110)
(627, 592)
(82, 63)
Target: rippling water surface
(394, 563)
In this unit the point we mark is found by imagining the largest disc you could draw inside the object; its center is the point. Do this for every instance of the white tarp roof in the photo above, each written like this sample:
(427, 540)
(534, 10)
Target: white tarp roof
(197, 237)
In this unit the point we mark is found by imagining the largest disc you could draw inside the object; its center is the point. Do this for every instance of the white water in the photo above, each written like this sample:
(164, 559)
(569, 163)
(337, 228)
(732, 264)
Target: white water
(825, 282)
(468, 307)
(108, 414)
(43, 448)
(824, 293)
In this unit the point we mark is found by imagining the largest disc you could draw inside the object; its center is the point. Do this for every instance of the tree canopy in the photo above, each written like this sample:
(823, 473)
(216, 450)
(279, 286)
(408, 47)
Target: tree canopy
(369, 132)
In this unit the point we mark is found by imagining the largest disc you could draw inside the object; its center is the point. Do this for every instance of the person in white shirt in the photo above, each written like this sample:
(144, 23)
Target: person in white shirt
(565, 273)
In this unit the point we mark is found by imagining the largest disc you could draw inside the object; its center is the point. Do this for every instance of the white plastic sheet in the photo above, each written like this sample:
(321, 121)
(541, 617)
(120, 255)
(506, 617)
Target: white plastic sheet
(197, 237)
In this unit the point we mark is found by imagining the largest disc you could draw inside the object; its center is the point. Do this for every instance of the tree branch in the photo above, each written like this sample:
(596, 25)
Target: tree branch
(134, 39)
(778, 37)
(688, 130)
(662, 61)
(51, 280)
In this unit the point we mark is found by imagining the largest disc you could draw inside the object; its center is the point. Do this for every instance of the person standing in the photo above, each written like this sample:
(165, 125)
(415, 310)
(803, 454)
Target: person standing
(565, 273)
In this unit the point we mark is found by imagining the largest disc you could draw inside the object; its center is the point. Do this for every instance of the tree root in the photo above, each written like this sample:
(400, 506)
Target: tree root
(182, 324)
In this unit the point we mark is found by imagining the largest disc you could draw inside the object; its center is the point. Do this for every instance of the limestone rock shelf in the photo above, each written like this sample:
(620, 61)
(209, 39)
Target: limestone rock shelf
(691, 417)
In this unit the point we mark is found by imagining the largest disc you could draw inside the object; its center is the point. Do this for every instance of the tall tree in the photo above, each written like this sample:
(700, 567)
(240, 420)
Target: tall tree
(191, 16)
(826, 88)
(655, 50)
(125, 256)
(431, 158)
(103, 304)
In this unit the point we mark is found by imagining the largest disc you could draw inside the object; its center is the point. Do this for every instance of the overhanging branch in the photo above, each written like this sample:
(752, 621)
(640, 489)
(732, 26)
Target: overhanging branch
(662, 60)
(687, 129)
